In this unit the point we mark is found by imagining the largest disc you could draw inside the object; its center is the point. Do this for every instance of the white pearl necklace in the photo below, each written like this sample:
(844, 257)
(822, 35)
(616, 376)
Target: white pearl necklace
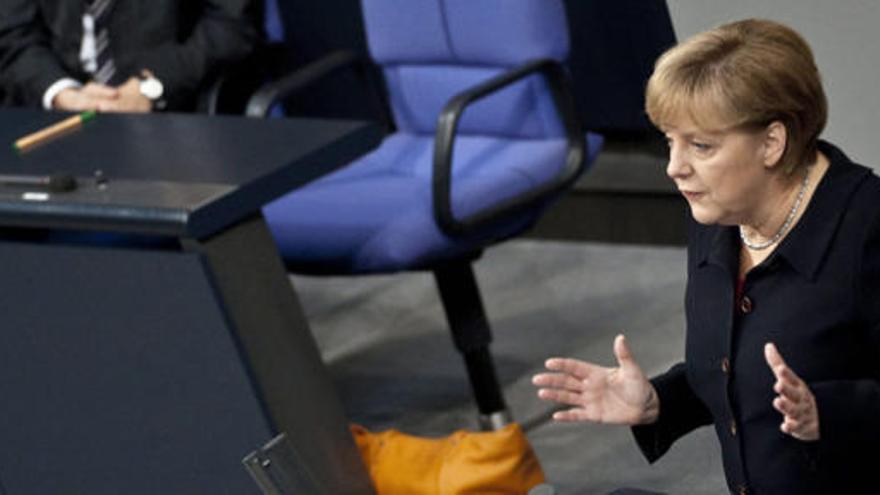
(758, 246)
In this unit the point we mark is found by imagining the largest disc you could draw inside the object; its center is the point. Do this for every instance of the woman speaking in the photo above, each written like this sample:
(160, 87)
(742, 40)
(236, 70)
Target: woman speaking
(782, 351)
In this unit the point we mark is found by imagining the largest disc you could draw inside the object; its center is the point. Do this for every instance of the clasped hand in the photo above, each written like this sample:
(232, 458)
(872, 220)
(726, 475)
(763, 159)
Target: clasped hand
(102, 98)
(623, 395)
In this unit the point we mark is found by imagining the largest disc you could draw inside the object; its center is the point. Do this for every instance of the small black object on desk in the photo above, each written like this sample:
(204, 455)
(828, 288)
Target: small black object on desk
(50, 183)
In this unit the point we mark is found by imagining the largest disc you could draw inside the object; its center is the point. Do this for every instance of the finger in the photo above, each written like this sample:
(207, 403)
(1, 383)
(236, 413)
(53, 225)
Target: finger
(131, 82)
(557, 380)
(788, 408)
(573, 414)
(788, 376)
(112, 106)
(74, 100)
(779, 367)
(79, 105)
(574, 367)
(561, 396)
(791, 426)
(622, 353)
(107, 106)
(773, 357)
(621, 350)
(96, 90)
(786, 379)
(788, 390)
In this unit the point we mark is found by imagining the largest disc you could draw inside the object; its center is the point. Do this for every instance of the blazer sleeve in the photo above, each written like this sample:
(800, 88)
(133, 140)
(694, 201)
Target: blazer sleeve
(849, 409)
(225, 33)
(681, 412)
(28, 65)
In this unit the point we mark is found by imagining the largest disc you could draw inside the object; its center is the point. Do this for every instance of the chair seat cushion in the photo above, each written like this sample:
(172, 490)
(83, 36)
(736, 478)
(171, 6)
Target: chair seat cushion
(376, 214)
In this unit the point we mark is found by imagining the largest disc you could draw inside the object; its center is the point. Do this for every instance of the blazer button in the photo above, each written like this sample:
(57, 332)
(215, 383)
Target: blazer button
(742, 489)
(725, 365)
(745, 305)
(733, 427)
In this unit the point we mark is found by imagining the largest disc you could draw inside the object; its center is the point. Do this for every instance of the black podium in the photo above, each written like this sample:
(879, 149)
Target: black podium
(151, 340)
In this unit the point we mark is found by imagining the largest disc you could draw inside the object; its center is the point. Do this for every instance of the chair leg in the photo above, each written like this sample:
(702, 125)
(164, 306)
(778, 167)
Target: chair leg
(472, 336)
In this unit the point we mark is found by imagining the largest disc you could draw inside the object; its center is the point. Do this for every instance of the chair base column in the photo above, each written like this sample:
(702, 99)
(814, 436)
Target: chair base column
(495, 421)
(472, 336)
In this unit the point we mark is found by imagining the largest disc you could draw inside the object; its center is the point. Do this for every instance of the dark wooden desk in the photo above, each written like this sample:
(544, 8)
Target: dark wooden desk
(156, 363)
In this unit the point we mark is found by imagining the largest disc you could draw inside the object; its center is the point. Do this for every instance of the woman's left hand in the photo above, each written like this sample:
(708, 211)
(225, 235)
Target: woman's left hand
(794, 400)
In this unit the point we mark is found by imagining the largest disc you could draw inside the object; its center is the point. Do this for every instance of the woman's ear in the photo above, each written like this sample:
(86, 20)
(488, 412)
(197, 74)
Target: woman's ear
(775, 141)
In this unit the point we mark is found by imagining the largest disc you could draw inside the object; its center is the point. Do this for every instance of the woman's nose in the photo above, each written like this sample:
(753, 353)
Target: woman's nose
(678, 166)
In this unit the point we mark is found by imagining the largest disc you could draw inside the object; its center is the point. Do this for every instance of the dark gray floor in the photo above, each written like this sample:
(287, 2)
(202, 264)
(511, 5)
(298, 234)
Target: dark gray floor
(386, 342)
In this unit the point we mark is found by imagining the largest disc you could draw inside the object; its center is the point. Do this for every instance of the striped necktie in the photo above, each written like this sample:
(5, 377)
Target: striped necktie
(104, 68)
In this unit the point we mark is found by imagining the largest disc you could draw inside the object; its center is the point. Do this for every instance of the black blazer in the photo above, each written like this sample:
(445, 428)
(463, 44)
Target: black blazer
(818, 298)
(185, 43)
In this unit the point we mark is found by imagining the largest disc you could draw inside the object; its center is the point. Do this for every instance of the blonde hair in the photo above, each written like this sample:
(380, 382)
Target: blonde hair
(743, 74)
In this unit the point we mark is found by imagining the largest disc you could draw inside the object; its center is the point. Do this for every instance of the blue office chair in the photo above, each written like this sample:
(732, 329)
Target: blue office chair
(485, 139)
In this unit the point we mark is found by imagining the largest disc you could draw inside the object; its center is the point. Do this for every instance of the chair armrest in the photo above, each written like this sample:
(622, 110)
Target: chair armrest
(444, 140)
(272, 92)
(229, 91)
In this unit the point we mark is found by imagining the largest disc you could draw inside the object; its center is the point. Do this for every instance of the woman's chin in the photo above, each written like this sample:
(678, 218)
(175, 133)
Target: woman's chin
(703, 215)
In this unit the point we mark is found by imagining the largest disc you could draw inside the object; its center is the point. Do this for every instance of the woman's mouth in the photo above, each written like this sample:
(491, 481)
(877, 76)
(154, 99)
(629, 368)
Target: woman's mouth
(691, 195)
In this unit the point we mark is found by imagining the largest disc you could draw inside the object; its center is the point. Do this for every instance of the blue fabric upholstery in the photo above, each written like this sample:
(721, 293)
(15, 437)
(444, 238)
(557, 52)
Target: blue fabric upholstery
(418, 94)
(432, 49)
(272, 22)
(495, 33)
(376, 214)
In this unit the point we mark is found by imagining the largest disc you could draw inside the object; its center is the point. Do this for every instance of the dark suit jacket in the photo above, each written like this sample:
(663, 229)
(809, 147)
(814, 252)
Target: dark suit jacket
(185, 43)
(818, 298)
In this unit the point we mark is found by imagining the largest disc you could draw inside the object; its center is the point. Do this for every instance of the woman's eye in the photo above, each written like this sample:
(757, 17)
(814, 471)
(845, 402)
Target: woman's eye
(700, 146)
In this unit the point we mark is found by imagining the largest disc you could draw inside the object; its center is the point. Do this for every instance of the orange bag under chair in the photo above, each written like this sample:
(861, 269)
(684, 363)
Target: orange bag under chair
(486, 463)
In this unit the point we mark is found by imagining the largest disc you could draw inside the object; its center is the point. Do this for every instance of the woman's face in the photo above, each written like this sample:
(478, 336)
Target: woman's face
(723, 174)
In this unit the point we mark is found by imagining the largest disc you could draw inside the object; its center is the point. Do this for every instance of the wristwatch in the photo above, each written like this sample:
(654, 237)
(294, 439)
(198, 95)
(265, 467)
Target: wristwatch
(152, 89)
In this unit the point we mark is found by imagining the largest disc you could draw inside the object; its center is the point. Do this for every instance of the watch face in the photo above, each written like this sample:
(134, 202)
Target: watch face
(151, 88)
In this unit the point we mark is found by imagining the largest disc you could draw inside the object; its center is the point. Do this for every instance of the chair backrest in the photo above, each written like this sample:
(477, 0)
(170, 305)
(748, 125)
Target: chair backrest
(431, 50)
(272, 24)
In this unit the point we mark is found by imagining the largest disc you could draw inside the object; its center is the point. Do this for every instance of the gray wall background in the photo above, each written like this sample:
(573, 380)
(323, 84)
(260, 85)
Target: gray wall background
(845, 37)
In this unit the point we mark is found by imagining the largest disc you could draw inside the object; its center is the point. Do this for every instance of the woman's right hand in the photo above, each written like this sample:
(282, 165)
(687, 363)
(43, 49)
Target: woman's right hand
(621, 395)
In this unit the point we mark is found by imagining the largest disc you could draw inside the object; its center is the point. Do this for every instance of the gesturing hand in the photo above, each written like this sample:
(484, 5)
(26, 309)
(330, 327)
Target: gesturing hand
(794, 400)
(621, 395)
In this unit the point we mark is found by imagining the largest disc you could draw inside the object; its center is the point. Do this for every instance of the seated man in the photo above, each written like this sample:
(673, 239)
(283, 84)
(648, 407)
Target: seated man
(119, 55)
